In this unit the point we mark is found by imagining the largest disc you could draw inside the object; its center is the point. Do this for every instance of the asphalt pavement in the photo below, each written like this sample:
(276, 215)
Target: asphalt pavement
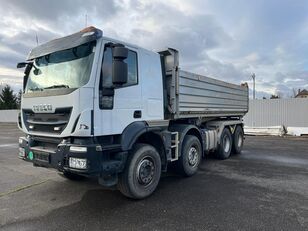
(264, 188)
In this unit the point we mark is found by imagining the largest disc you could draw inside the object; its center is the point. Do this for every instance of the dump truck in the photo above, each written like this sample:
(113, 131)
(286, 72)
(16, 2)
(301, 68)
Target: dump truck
(97, 107)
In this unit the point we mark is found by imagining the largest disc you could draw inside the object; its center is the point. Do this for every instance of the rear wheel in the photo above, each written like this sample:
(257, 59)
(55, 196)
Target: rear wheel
(225, 146)
(238, 140)
(190, 158)
(142, 172)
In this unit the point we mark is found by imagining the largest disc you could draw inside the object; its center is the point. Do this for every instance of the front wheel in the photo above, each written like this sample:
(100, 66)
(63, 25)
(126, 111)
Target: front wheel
(142, 172)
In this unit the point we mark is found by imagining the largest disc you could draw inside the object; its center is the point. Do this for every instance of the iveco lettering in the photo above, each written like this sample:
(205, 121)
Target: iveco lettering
(96, 107)
(42, 108)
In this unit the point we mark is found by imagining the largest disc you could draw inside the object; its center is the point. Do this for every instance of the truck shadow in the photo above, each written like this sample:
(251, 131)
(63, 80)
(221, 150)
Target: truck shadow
(101, 205)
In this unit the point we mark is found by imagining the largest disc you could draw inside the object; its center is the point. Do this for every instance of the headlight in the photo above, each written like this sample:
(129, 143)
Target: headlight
(77, 163)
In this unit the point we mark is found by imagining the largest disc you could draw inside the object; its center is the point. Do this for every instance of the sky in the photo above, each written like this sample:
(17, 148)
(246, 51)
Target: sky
(227, 40)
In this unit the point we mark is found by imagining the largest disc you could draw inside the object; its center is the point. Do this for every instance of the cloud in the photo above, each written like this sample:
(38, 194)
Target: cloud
(228, 40)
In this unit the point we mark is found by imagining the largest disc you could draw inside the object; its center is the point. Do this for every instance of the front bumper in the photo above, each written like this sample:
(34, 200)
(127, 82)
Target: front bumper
(101, 161)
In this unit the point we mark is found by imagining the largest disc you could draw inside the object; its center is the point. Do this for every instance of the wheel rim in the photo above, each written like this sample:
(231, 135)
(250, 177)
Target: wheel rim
(240, 140)
(193, 156)
(227, 144)
(145, 171)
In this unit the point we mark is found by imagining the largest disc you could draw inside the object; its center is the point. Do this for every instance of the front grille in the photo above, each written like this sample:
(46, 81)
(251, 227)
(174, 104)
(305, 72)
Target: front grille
(41, 156)
(53, 123)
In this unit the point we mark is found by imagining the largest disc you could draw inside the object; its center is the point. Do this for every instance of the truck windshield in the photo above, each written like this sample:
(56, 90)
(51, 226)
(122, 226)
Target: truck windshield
(69, 68)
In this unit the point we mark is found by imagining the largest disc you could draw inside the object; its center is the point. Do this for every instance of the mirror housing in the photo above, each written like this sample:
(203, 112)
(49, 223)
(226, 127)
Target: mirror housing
(21, 65)
(119, 52)
(119, 67)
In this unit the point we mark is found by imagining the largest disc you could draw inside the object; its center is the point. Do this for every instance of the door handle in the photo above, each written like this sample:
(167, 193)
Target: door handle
(137, 114)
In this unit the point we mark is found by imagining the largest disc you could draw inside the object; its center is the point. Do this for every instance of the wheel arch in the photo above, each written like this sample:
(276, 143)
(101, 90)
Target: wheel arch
(131, 133)
(154, 139)
(140, 132)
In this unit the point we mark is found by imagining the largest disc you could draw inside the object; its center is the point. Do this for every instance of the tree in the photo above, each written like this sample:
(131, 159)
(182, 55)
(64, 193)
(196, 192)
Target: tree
(274, 97)
(18, 99)
(8, 99)
(277, 95)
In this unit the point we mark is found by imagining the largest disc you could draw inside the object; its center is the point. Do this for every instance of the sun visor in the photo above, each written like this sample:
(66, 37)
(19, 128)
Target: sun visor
(86, 35)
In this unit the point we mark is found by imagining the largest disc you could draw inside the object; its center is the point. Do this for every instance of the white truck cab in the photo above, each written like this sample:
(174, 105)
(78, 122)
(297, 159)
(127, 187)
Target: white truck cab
(97, 107)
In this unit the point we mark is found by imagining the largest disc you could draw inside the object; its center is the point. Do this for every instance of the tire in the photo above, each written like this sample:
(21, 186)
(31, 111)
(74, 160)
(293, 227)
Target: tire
(238, 140)
(225, 146)
(72, 176)
(142, 172)
(191, 155)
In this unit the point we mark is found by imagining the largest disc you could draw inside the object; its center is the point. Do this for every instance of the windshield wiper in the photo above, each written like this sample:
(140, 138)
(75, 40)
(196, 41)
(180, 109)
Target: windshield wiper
(36, 89)
(57, 86)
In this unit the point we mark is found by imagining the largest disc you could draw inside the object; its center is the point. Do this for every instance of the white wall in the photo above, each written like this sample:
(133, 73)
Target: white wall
(9, 116)
(276, 112)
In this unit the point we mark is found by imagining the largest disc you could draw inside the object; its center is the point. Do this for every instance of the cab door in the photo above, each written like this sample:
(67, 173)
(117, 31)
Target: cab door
(121, 105)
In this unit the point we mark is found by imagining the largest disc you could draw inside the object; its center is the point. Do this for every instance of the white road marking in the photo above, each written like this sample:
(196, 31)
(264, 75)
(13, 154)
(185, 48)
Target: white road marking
(8, 145)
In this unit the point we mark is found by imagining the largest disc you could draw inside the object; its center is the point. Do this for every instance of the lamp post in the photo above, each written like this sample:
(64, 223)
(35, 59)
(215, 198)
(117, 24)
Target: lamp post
(253, 76)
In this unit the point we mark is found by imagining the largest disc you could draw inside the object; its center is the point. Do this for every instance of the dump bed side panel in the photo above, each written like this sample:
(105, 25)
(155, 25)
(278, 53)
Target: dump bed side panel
(188, 95)
(203, 96)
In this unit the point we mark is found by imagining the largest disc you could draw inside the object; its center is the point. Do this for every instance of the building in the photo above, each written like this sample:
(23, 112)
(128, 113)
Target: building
(302, 94)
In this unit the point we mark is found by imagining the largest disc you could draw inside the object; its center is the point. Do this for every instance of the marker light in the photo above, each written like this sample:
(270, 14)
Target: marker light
(88, 34)
(78, 149)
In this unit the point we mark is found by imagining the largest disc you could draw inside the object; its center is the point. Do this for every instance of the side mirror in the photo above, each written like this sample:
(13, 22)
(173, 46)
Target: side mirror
(119, 67)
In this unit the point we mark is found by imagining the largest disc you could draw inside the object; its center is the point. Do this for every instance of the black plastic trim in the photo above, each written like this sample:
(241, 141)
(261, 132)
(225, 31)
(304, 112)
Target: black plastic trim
(92, 122)
(131, 134)
(101, 161)
(75, 124)
(133, 131)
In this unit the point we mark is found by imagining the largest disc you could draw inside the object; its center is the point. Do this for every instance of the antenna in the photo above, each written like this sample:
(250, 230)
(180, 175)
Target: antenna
(253, 76)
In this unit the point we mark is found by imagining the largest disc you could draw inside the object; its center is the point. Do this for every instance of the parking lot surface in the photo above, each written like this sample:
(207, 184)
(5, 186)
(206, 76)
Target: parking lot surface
(264, 188)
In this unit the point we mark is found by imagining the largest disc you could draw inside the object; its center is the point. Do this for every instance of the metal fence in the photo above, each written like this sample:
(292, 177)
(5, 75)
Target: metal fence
(274, 112)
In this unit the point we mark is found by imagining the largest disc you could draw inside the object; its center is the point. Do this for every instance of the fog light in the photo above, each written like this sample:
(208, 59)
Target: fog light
(22, 153)
(78, 149)
(77, 163)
